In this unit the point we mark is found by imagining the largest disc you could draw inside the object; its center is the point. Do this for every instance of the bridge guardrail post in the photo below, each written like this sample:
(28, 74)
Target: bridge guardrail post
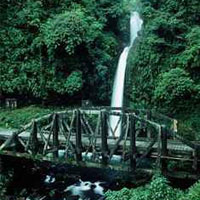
(164, 151)
(159, 147)
(55, 130)
(78, 136)
(149, 116)
(133, 149)
(196, 164)
(33, 140)
(104, 134)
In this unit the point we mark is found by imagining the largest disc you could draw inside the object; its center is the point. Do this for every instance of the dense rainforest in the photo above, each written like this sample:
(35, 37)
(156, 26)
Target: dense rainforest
(59, 50)
(165, 61)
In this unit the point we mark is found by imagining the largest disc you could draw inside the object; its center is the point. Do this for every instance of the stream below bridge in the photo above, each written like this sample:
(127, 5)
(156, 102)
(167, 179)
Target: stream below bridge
(34, 180)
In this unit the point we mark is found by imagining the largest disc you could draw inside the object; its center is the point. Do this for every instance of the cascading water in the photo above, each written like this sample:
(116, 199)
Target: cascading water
(118, 87)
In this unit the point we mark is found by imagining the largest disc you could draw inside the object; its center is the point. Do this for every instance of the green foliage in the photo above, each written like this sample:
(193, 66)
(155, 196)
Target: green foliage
(189, 125)
(157, 189)
(30, 14)
(191, 55)
(3, 182)
(71, 85)
(127, 194)
(167, 42)
(194, 192)
(16, 77)
(173, 86)
(60, 48)
(21, 116)
(165, 60)
(70, 29)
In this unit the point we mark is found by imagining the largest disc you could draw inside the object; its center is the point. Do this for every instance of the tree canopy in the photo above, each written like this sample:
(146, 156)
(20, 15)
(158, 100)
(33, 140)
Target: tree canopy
(51, 49)
(165, 61)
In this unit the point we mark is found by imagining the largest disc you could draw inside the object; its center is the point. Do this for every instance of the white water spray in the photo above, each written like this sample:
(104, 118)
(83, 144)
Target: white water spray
(118, 87)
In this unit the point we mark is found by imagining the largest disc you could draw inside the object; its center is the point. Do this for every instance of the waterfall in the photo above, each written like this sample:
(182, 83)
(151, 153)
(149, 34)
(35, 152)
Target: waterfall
(118, 87)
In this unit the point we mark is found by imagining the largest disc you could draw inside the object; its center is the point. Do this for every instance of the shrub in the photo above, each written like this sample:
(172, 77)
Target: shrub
(158, 189)
(194, 192)
(172, 87)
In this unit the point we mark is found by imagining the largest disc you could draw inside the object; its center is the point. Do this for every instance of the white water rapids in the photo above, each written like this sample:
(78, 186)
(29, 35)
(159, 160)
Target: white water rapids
(118, 87)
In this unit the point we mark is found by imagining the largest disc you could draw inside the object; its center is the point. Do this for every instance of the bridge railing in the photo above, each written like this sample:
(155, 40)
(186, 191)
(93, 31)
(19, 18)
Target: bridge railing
(79, 133)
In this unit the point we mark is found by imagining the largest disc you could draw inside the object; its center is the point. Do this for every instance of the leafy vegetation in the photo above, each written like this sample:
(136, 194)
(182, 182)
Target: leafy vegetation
(194, 192)
(51, 50)
(165, 60)
(21, 116)
(173, 86)
(157, 189)
(2, 186)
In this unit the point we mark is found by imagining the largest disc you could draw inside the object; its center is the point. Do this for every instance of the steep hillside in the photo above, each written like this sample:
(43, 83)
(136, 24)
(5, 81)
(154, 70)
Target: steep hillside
(165, 63)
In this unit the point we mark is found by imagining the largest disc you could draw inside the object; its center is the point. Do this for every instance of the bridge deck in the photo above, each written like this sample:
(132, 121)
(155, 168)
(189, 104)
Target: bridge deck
(141, 143)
